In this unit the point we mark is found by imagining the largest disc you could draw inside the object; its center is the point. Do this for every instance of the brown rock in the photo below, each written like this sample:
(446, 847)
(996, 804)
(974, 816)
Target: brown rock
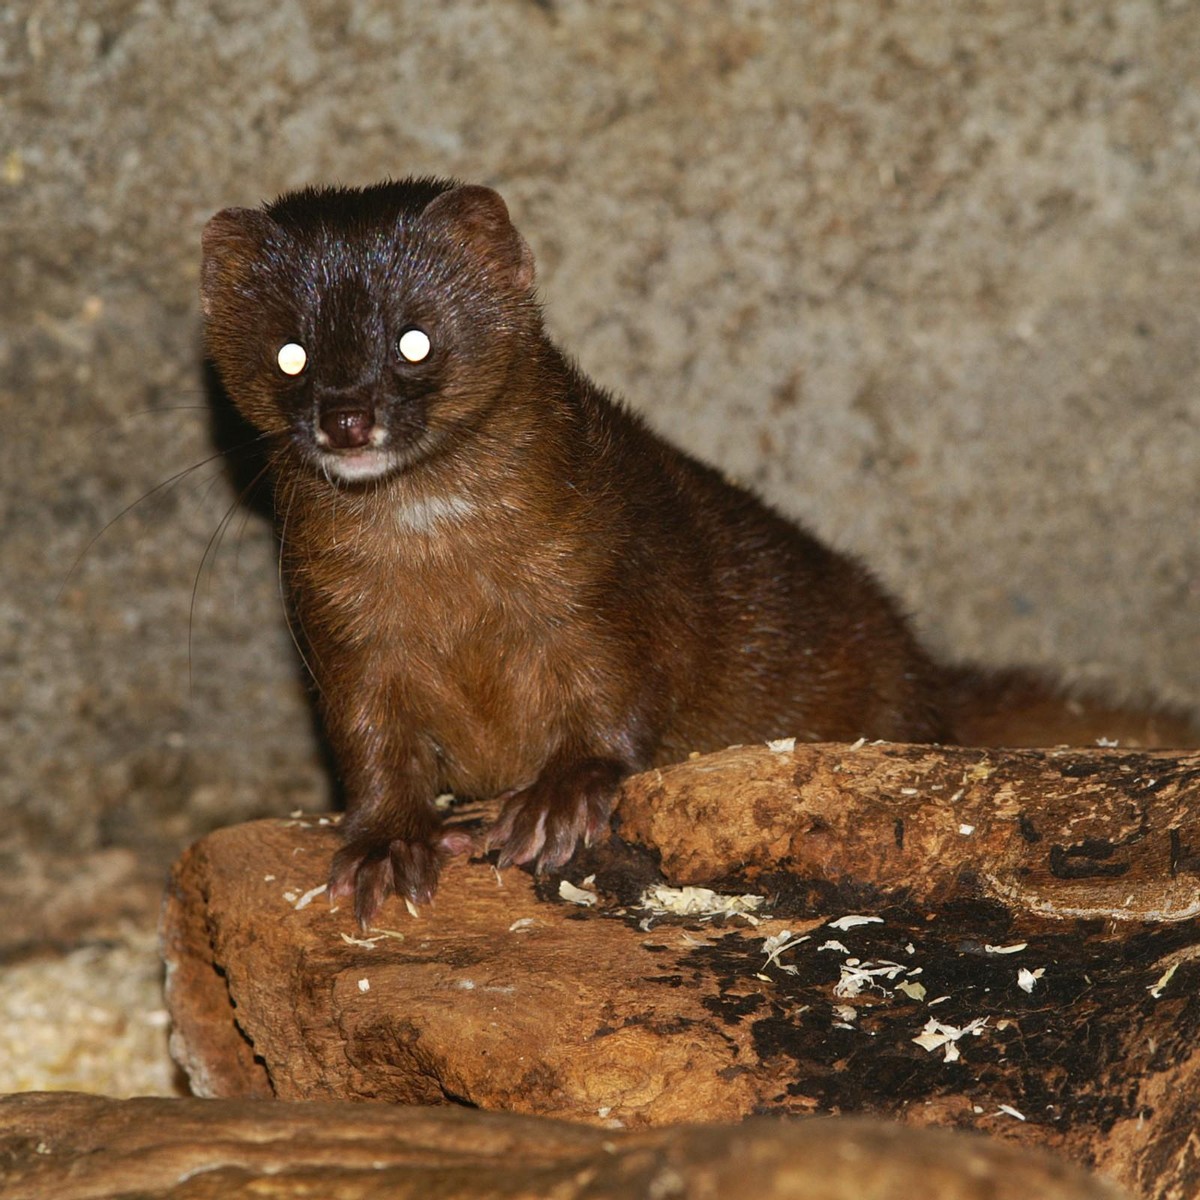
(75, 1147)
(980, 865)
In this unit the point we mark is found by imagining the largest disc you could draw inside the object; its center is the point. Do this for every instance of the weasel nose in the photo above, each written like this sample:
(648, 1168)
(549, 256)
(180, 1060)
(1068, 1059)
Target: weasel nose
(348, 428)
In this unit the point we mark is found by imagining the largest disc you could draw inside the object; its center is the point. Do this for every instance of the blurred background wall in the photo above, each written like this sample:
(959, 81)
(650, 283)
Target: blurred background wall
(927, 275)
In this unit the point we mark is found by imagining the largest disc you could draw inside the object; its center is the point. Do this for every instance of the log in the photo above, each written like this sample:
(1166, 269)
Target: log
(1029, 970)
(1064, 833)
(74, 1147)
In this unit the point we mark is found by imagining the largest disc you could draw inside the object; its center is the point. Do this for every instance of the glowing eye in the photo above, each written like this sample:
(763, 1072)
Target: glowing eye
(291, 358)
(414, 345)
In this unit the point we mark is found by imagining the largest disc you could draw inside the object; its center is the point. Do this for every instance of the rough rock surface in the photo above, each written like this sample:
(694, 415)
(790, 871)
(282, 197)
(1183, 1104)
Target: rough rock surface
(1034, 1022)
(85, 1148)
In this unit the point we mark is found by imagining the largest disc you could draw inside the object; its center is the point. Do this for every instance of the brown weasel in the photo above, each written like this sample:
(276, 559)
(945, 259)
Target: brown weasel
(505, 583)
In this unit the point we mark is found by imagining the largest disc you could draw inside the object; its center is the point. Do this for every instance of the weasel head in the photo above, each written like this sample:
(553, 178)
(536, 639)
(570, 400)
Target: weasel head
(366, 328)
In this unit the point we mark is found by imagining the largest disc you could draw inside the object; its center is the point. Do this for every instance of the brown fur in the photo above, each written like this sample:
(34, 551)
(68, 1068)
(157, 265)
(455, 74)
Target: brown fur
(533, 595)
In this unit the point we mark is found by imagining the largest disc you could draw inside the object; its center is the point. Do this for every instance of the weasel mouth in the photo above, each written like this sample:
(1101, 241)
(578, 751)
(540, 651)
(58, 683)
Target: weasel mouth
(351, 445)
(355, 442)
(353, 466)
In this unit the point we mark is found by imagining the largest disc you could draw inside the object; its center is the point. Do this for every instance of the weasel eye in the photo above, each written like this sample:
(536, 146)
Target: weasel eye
(291, 358)
(414, 345)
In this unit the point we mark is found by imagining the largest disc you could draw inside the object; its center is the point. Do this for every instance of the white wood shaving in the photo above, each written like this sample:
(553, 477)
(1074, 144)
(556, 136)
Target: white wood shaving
(782, 745)
(914, 991)
(364, 985)
(413, 910)
(842, 924)
(774, 946)
(936, 1036)
(856, 977)
(1026, 978)
(697, 902)
(835, 946)
(368, 943)
(1008, 1110)
(966, 830)
(1015, 948)
(846, 1012)
(1156, 989)
(520, 924)
(310, 896)
(568, 891)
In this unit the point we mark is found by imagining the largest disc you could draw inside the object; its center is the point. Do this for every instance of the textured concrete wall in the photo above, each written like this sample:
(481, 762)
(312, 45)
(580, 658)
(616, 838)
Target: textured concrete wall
(927, 274)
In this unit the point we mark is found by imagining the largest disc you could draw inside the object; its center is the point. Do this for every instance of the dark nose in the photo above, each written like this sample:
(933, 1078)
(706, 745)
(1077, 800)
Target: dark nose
(348, 428)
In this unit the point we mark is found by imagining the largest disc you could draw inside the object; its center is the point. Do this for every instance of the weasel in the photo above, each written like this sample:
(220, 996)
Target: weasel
(505, 583)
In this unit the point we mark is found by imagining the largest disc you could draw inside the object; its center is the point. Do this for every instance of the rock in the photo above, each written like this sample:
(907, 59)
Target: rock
(76, 1147)
(976, 996)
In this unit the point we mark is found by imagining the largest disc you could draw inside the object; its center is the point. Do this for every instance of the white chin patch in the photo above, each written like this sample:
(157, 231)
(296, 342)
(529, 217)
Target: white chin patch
(359, 465)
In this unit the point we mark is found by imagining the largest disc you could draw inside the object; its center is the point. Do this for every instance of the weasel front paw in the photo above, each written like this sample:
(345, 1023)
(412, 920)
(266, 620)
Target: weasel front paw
(369, 870)
(546, 821)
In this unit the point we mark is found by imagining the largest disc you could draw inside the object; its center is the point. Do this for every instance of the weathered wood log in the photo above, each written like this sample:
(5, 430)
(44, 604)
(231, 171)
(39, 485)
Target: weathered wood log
(1066, 833)
(73, 1147)
(1075, 1032)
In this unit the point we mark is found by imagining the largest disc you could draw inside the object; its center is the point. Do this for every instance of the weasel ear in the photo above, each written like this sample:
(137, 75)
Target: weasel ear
(231, 240)
(480, 218)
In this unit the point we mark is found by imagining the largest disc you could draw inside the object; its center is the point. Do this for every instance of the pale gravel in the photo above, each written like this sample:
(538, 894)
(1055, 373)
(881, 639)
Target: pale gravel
(91, 1020)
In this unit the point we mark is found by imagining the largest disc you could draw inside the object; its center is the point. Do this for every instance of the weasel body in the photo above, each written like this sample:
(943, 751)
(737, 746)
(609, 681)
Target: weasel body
(506, 583)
